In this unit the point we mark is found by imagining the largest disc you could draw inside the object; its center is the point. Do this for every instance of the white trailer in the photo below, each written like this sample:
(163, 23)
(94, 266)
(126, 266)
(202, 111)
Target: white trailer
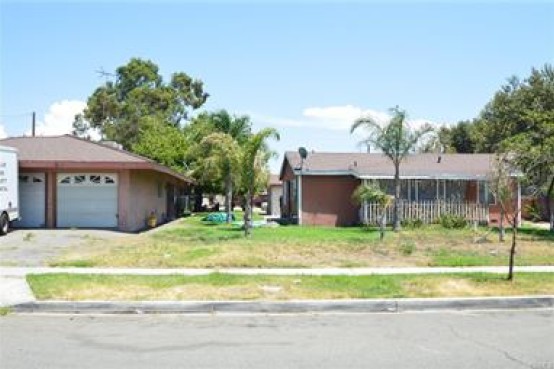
(9, 188)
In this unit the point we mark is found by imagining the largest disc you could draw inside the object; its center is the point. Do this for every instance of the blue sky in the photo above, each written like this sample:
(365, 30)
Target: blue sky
(307, 69)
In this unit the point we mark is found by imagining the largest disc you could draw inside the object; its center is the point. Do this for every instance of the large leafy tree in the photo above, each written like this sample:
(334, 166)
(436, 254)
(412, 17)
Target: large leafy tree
(520, 119)
(396, 140)
(122, 109)
(254, 157)
(164, 143)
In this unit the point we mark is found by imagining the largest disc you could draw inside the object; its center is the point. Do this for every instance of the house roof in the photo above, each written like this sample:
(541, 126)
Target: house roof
(274, 180)
(365, 165)
(70, 152)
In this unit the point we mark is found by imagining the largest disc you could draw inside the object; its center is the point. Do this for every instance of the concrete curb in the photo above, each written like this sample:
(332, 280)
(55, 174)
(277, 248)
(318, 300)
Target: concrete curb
(280, 307)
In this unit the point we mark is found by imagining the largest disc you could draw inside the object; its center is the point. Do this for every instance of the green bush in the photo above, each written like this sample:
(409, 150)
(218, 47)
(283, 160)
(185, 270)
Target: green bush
(533, 211)
(452, 221)
(412, 223)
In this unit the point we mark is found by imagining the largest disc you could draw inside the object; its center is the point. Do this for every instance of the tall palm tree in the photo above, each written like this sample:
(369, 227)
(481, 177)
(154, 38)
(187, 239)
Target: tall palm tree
(238, 129)
(254, 159)
(396, 140)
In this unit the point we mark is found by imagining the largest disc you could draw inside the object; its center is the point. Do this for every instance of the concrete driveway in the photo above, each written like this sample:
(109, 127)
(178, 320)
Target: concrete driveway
(35, 247)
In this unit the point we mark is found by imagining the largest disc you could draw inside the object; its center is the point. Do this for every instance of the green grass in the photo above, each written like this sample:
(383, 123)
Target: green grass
(74, 287)
(4, 310)
(192, 243)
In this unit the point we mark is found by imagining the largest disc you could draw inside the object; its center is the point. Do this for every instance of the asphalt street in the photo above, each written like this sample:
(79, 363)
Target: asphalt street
(493, 339)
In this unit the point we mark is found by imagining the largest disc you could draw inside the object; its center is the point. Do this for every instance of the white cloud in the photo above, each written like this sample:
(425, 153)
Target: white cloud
(342, 117)
(337, 118)
(59, 118)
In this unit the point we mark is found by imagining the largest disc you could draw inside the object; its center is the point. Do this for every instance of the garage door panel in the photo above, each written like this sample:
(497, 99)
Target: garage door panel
(32, 200)
(87, 200)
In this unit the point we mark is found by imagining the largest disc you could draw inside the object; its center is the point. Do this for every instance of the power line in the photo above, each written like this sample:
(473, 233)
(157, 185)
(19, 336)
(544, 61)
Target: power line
(16, 115)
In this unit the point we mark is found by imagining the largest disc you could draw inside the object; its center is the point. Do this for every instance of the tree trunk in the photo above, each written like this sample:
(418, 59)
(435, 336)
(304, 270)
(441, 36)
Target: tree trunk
(248, 214)
(549, 205)
(551, 217)
(513, 249)
(229, 197)
(382, 225)
(501, 231)
(198, 195)
(396, 220)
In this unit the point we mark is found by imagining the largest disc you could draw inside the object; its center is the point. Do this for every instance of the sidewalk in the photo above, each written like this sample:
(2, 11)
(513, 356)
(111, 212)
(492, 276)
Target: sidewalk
(23, 271)
(14, 290)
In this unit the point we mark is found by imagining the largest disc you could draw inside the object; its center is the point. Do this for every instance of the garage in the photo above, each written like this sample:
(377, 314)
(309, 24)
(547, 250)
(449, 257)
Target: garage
(70, 182)
(87, 200)
(32, 200)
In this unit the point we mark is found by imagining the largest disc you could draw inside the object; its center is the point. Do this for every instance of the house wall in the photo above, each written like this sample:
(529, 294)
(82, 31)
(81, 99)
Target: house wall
(327, 200)
(147, 194)
(495, 209)
(289, 205)
(137, 195)
(275, 192)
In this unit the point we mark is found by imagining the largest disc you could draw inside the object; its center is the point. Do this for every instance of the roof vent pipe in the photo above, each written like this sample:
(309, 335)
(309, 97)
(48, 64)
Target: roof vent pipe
(303, 155)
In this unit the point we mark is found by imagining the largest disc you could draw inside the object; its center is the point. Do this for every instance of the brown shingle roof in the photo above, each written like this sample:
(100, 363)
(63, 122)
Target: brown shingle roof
(72, 152)
(378, 165)
(68, 148)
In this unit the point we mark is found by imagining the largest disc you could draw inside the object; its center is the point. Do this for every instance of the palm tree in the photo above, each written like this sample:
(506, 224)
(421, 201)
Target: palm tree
(238, 129)
(372, 193)
(254, 159)
(396, 140)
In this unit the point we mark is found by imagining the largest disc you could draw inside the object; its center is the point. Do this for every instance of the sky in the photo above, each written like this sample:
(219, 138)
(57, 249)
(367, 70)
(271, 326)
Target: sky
(308, 68)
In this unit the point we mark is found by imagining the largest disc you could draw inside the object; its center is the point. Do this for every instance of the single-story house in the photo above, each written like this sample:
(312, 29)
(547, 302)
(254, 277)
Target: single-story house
(318, 190)
(274, 195)
(67, 182)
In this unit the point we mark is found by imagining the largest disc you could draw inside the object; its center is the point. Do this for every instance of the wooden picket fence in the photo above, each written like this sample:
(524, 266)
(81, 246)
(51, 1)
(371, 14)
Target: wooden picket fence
(427, 211)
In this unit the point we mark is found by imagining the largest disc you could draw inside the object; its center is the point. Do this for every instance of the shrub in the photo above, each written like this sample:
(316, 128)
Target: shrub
(412, 223)
(533, 211)
(452, 221)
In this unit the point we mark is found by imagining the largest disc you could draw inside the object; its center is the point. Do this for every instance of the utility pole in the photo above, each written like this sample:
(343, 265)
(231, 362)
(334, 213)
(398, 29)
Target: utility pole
(34, 123)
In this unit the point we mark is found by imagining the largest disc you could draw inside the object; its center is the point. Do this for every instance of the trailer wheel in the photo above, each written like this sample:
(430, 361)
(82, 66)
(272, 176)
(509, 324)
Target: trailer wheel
(4, 224)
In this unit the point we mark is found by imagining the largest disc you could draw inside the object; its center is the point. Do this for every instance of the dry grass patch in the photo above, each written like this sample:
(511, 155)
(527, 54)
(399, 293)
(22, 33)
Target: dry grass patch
(189, 243)
(73, 287)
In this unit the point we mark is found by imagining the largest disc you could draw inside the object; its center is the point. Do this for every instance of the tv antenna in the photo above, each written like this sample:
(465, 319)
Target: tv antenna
(103, 74)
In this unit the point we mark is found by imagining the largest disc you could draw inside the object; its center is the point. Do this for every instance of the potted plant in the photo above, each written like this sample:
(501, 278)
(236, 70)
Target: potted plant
(152, 221)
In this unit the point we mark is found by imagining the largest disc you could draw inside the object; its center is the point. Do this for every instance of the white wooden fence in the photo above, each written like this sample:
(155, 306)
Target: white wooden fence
(427, 211)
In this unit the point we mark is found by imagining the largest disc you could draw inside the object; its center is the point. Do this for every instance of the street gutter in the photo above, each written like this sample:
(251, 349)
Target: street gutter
(283, 307)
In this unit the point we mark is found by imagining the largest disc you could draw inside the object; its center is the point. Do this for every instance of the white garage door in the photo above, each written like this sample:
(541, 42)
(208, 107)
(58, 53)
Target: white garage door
(32, 200)
(87, 200)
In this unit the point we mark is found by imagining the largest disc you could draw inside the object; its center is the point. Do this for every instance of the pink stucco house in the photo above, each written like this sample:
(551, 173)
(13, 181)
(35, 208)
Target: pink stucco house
(68, 182)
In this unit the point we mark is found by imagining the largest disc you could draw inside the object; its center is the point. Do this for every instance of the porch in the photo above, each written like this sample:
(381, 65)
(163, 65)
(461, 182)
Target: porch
(429, 199)
(427, 211)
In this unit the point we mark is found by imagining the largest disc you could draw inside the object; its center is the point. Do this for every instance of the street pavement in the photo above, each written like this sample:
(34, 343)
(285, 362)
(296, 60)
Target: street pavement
(492, 339)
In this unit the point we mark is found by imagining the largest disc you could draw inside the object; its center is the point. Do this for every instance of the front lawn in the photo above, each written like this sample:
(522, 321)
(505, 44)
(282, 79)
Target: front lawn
(75, 287)
(192, 243)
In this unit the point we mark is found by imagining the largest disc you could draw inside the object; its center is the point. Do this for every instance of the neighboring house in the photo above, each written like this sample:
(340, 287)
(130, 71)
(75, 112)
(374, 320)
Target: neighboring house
(318, 190)
(274, 195)
(69, 182)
